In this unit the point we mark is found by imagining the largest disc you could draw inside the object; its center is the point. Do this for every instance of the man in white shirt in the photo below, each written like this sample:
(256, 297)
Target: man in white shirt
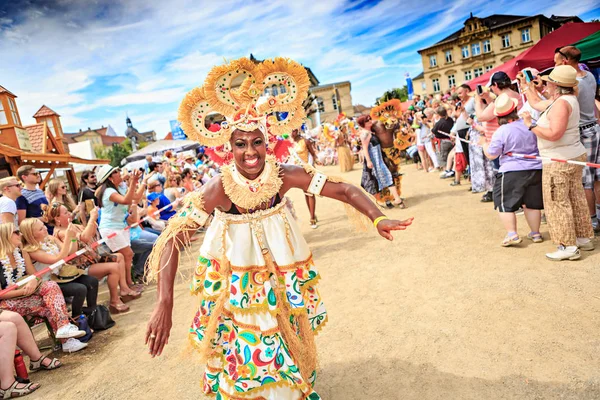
(10, 188)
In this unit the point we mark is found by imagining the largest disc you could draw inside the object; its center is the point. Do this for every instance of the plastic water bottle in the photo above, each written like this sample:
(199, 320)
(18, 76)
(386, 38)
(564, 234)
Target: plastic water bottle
(20, 368)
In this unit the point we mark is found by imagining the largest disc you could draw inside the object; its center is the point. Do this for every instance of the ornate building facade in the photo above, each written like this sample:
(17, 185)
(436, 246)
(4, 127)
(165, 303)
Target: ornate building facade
(482, 44)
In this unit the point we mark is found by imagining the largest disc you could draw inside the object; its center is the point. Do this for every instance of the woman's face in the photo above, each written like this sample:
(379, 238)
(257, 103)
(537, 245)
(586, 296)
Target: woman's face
(115, 177)
(39, 231)
(64, 216)
(249, 152)
(62, 189)
(15, 238)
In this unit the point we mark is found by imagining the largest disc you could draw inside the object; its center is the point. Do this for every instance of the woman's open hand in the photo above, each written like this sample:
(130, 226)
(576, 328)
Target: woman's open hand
(386, 226)
(159, 329)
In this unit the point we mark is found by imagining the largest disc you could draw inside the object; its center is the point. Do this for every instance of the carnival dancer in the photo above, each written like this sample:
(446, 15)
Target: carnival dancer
(376, 175)
(386, 128)
(260, 306)
(303, 149)
(345, 158)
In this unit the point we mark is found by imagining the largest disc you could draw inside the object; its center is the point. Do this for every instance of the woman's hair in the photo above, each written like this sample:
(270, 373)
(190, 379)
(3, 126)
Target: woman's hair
(563, 90)
(363, 120)
(185, 172)
(53, 186)
(506, 119)
(100, 192)
(6, 245)
(170, 183)
(168, 154)
(51, 212)
(30, 243)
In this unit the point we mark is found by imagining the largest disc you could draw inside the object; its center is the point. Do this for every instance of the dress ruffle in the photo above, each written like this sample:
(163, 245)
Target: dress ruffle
(250, 358)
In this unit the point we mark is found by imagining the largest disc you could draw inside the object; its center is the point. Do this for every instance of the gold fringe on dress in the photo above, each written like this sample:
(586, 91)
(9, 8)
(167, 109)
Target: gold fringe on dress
(190, 218)
(345, 158)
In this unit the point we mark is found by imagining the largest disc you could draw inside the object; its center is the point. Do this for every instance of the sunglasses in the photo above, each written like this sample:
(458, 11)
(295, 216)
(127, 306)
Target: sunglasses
(557, 50)
(34, 173)
(16, 184)
(17, 232)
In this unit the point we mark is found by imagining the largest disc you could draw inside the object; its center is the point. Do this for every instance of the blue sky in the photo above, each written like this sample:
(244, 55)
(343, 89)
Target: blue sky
(95, 61)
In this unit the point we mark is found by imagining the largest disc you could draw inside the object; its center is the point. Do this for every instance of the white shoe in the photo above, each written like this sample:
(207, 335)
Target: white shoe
(73, 345)
(564, 253)
(585, 244)
(69, 331)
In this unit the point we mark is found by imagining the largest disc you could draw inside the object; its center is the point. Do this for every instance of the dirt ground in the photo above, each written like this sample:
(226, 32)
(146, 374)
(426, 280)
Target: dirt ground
(442, 312)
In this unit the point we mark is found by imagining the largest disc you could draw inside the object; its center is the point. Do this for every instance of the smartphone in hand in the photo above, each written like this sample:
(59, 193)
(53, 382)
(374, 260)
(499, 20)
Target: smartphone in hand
(479, 90)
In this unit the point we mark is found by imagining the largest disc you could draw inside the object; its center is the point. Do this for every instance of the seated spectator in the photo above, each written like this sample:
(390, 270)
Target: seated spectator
(29, 205)
(173, 189)
(39, 298)
(156, 187)
(111, 266)
(155, 221)
(10, 188)
(45, 250)
(187, 177)
(519, 182)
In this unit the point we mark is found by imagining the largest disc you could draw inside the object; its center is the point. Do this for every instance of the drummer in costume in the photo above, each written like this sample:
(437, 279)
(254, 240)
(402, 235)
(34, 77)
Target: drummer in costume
(386, 128)
(303, 148)
(260, 307)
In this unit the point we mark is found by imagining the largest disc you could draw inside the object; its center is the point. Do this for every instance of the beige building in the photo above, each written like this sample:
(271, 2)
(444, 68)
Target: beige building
(482, 44)
(330, 100)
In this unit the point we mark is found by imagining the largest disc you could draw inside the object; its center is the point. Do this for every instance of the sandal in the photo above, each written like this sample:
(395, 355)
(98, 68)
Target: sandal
(313, 223)
(400, 204)
(13, 391)
(129, 297)
(511, 240)
(138, 287)
(118, 308)
(39, 364)
(535, 237)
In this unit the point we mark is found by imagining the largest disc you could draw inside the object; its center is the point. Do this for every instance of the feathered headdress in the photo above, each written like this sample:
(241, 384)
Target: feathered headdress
(248, 107)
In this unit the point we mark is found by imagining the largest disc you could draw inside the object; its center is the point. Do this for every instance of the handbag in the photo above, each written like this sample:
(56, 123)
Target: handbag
(83, 325)
(100, 318)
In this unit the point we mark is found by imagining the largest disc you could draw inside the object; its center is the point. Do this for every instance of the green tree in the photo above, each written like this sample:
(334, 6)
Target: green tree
(396, 93)
(117, 153)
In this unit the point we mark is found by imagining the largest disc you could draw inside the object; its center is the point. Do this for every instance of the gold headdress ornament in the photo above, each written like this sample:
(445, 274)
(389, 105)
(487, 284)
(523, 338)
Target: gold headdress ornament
(388, 112)
(249, 107)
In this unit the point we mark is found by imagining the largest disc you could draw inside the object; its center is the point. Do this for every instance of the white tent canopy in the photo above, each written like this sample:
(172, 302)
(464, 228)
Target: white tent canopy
(159, 148)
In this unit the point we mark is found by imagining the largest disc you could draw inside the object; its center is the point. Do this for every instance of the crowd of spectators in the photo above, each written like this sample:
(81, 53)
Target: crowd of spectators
(39, 228)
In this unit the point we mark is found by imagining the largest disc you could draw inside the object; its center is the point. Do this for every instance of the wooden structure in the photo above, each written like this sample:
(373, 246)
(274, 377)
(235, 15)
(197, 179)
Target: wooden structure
(40, 144)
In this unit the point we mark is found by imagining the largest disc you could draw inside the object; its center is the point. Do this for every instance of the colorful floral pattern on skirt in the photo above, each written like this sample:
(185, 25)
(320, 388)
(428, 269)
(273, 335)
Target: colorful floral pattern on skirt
(250, 356)
(47, 301)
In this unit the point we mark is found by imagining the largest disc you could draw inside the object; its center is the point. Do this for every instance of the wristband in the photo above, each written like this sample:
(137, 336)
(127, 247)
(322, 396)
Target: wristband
(378, 220)
(73, 240)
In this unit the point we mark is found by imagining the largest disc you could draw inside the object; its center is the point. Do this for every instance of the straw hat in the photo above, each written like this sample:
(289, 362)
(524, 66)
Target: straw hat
(563, 75)
(104, 172)
(67, 273)
(504, 105)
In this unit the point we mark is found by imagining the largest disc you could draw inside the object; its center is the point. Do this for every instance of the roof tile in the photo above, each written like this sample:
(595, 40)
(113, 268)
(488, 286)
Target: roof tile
(36, 137)
(44, 111)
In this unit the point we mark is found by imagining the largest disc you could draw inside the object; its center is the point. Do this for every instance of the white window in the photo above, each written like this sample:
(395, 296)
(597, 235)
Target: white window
(525, 36)
(465, 52)
(451, 81)
(334, 101)
(436, 85)
(475, 49)
(489, 67)
(432, 61)
(468, 75)
(3, 120)
(274, 90)
(13, 111)
(487, 46)
(50, 126)
(448, 56)
(506, 40)
(320, 104)
(424, 86)
(478, 71)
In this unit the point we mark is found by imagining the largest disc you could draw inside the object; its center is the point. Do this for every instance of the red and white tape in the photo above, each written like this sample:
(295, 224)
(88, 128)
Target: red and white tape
(534, 157)
(76, 254)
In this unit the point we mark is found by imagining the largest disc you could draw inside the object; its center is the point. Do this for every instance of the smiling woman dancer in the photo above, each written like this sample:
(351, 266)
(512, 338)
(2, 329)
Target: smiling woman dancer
(260, 307)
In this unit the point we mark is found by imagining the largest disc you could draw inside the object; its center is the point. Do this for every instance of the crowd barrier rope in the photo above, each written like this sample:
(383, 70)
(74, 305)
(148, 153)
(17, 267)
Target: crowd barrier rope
(78, 253)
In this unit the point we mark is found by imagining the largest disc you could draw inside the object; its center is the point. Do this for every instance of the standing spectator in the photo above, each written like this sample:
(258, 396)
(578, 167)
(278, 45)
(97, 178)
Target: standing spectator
(29, 205)
(558, 137)
(147, 169)
(465, 107)
(114, 200)
(589, 130)
(425, 120)
(88, 187)
(520, 179)
(10, 188)
(444, 124)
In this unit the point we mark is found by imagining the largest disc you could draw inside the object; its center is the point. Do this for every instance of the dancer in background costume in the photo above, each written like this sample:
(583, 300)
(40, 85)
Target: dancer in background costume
(345, 157)
(260, 307)
(303, 149)
(386, 128)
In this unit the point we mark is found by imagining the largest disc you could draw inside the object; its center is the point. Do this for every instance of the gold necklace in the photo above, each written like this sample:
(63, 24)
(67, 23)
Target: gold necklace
(251, 193)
